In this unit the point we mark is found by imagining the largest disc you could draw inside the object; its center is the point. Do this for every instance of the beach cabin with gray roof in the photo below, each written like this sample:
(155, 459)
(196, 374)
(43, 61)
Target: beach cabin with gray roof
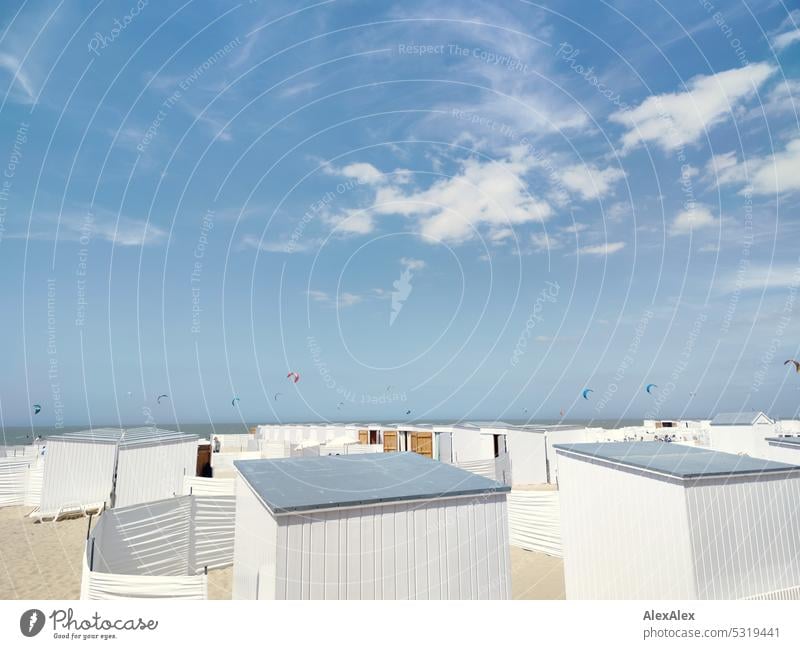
(741, 432)
(374, 526)
(114, 466)
(655, 520)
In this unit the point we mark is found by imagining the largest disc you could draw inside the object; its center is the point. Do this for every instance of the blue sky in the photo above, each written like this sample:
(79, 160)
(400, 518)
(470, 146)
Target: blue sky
(468, 211)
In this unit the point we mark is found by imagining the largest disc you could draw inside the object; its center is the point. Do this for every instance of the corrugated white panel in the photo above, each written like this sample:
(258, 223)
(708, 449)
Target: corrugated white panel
(527, 457)
(224, 461)
(208, 486)
(446, 549)
(749, 440)
(213, 521)
(153, 472)
(147, 539)
(625, 536)
(274, 450)
(255, 538)
(33, 484)
(746, 536)
(105, 586)
(534, 520)
(76, 473)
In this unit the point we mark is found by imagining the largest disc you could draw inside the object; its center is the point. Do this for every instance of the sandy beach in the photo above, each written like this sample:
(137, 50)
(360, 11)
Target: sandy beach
(43, 561)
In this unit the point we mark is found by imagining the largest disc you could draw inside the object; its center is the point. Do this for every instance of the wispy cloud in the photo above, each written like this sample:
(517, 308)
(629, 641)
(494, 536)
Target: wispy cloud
(602, 249)
(21, 84)
(103, 226)
(341, 300)
(759, 278)
(281, 245)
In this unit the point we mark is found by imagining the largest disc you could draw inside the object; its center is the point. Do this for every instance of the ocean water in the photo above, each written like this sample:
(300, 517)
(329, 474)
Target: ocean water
(12, 435)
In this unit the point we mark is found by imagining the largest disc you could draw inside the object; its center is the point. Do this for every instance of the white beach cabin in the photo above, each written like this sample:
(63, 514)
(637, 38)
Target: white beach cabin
(373, 526)
(741, 432)
(655, 520)
(115, 466)
(784, 449)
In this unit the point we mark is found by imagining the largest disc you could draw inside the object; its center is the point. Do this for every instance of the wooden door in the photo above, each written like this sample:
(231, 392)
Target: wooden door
(203, 468)
(389, 441)
(363, 437)
(422, 443)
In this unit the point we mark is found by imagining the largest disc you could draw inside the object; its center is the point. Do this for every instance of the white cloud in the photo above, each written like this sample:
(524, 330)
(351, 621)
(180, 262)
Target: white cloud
(489, 193)
(602, 249)
(342, 299)
(589, 181)
(575, 228)
(759, 278)
(673, 120)
(348, 299)
(363, 172)
(769, 174)
(784, 40)
(412, 264)
(542, 242)
(694, 218)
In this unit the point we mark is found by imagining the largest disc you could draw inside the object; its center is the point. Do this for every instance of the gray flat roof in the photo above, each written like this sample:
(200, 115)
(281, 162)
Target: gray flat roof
(785, 441)
(674, 459)
(737, 418)
(301, 484)
(126, 436)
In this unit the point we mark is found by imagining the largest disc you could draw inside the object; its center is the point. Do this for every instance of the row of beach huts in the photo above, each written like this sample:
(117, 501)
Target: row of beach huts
(666, 510)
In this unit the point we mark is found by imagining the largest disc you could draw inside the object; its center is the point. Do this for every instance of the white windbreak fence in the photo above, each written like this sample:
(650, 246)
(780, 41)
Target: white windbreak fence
(147, 539)
(534, 521)
(79, 474)
(13, 480)
(486, 468)
(162, 548)
(208, 486)
(349, 449)
(150, 472)
(213, 522)
(100, 585)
